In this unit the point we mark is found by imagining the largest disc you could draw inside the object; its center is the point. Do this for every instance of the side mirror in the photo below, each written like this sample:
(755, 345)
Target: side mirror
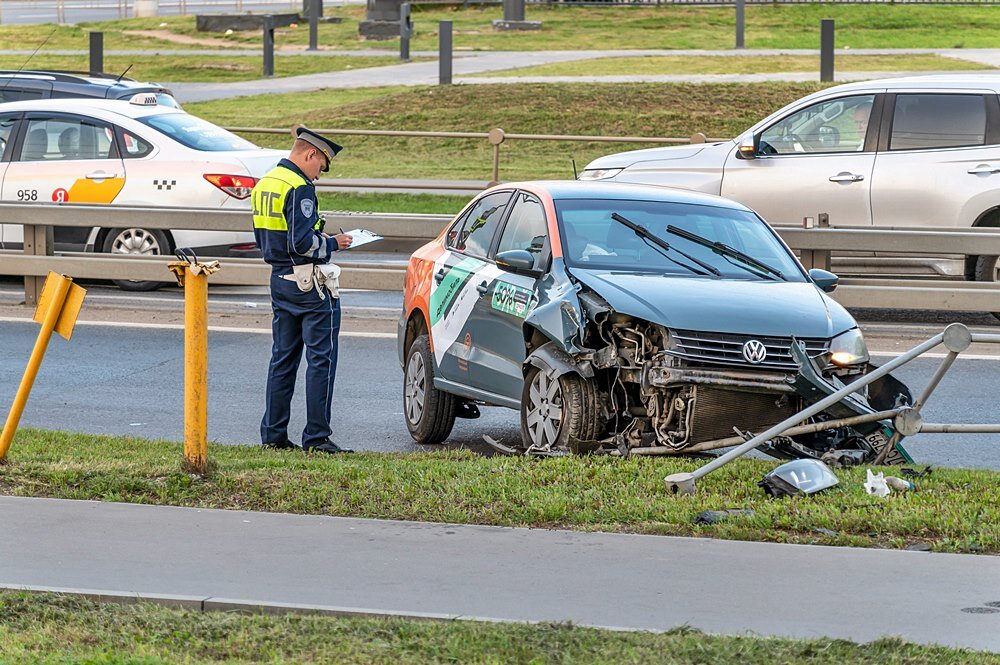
(517, 261)
(748, 148)
(825, 280)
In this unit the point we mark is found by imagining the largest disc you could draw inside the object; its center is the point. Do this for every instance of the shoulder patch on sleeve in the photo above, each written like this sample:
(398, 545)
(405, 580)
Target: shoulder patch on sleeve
(307, 207)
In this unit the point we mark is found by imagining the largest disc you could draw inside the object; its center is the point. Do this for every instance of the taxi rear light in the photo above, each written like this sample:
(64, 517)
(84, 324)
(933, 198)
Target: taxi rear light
(237, 186)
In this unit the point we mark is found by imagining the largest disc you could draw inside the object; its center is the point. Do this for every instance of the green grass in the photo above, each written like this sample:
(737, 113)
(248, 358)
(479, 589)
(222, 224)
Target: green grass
(668, 27)
(671, 110)
(51, 628)
(952, 510)
(389, 202)
(645, 65)
(184, 68)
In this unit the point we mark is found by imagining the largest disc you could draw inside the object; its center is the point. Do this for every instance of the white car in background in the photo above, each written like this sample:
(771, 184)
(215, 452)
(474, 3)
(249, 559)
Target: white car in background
(908, 152)
(127, 153)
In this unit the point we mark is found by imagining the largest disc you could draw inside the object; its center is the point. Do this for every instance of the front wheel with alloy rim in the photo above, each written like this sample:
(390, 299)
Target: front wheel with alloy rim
(429, 412)
(559, 414)
(140, 242)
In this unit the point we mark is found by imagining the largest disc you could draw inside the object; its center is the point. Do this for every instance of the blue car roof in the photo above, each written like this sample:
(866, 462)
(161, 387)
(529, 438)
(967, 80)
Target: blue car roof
(623, 191)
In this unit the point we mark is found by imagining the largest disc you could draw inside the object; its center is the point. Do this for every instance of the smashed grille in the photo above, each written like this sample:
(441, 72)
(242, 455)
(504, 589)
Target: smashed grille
(727, 349)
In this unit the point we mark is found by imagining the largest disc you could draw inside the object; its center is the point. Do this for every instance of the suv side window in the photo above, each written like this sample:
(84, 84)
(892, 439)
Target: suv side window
(921, 121)
(525, 228)
(834, 125)
(474, 234)
(16, 95)
(66, 138)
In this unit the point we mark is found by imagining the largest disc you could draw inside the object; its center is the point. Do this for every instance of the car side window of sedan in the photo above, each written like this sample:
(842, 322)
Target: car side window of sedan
(7, 125)
(66, 138)
(473, 235)
(831, 126)
(526, 229)
(132, 147)
(921, 121)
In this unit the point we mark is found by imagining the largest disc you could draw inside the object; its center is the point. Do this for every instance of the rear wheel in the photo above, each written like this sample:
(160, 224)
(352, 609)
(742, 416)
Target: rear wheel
(986, 271)
(140, 242)
(559, 414)
(429, 412)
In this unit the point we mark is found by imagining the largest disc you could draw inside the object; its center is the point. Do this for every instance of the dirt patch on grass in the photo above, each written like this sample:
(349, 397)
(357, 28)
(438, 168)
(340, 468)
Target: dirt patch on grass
(187, 40)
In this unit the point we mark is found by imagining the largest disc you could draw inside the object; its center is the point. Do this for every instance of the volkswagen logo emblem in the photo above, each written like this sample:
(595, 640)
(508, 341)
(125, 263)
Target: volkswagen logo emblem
(754, 352)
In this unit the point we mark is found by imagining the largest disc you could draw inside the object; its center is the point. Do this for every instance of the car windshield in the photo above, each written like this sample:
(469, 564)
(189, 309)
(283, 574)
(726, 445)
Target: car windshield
(196, 133)
(592, 238)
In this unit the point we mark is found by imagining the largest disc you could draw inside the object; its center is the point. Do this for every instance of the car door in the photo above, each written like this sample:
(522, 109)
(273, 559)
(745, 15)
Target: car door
(64, 158)
(813, 160)
(505, 298)
(939, 161)
(457, 273)
(10, 235)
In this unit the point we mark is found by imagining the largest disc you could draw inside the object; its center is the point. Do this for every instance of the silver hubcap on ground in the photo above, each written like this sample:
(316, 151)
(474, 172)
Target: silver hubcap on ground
(545, 410)
(135, 241)
(415, 390)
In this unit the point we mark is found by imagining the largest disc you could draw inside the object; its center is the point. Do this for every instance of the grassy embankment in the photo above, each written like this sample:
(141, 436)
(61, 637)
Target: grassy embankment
(674, 64)
(63, 629)
(718, 110)
(951, 511)
(667, 27)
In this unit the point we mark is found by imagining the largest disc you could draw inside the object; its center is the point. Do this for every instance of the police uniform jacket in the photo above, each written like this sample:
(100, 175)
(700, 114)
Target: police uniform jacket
(286, 220)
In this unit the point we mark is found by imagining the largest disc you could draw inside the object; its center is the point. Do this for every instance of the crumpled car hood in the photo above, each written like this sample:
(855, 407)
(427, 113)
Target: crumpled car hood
(720, 305)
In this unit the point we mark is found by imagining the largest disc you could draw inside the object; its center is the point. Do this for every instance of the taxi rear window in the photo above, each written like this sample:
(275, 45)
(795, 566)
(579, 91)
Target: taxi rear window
(196, 133)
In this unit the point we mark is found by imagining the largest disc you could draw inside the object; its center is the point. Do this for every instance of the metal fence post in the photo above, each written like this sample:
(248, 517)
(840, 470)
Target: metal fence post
(96, 52)
(444, 53)
(37, 242)
(314, 12)
(405, 30)
(740, 22)
(826, 50)
(268, 46)
(496, 137)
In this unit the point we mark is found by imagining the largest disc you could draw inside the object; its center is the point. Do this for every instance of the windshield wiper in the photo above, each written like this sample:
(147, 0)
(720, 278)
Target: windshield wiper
(725, 250)
(645, 234)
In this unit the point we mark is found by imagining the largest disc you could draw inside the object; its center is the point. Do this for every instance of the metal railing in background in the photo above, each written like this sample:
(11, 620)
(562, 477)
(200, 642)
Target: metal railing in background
(403, 233)
(495, 137)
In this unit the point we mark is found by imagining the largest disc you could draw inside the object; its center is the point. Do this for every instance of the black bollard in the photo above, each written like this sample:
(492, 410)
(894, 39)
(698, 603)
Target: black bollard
(96, 52)
(740, 22)
(826, 49)
(268, 46)
(405, 30)
(444, 53)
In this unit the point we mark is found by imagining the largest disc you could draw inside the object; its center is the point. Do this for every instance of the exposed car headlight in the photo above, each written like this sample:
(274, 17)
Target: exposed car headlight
(849, 348)
(598, 174)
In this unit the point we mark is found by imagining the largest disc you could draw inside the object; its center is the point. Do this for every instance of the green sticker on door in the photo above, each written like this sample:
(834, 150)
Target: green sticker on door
(511, 299)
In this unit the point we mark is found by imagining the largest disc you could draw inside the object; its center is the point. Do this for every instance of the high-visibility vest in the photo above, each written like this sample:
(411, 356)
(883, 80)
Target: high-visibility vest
(268, 198)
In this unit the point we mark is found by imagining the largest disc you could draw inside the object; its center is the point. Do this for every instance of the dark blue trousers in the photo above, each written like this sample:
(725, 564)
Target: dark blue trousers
(301, 319)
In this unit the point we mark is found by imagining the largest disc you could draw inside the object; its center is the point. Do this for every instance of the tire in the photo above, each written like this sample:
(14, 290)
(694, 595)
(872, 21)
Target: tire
(986, 271)
(137, 241)
(431, 419)
(570, 418)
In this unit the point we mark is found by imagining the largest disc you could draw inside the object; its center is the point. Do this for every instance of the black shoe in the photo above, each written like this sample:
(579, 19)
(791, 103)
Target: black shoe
(281, 445)
(327, 447)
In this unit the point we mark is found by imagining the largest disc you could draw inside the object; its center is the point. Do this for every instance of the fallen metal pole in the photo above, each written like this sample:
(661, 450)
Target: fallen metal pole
(795, 431)
(960, 428)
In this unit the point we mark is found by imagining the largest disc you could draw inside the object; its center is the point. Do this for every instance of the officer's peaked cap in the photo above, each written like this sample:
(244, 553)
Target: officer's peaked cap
(321, 143)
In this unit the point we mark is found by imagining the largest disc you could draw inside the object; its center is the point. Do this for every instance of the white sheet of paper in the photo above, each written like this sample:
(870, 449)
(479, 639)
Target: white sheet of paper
(362, 237)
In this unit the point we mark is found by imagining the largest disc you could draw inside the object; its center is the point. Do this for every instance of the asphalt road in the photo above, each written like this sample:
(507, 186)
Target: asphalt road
(129, 381)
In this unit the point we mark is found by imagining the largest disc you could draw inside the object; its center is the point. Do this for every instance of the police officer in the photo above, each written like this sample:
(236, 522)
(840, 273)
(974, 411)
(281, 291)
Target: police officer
(290, 235)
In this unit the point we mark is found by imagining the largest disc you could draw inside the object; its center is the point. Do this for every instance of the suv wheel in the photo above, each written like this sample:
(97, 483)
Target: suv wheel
(141, 242)
(429, 412)
(986, 271)
(559, 414)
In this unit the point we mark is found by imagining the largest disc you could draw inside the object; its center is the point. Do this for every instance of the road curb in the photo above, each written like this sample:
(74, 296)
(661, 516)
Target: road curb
(218, 604)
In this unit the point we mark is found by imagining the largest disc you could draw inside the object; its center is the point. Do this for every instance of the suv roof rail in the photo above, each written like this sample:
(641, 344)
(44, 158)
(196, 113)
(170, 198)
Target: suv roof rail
(64, 75)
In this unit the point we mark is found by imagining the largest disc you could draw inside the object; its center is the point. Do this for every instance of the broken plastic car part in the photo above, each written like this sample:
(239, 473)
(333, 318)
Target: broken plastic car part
(801, 476)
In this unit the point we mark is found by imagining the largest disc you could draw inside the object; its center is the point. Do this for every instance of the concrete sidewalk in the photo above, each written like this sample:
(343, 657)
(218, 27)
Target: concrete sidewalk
(214, 559)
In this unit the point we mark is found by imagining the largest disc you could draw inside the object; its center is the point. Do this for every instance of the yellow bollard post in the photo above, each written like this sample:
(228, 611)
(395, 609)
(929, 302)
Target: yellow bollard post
(58, 307)
(196, 371)
(193, 276)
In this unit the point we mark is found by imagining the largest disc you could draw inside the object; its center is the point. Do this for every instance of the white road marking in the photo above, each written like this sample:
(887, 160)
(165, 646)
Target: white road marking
(180, 326)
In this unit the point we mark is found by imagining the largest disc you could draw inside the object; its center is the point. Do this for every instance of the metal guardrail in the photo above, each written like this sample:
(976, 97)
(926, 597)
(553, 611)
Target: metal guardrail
(495, 136)
(405, 232)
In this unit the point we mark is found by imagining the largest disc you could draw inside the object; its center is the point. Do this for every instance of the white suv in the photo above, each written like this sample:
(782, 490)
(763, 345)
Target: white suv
(908, 152)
